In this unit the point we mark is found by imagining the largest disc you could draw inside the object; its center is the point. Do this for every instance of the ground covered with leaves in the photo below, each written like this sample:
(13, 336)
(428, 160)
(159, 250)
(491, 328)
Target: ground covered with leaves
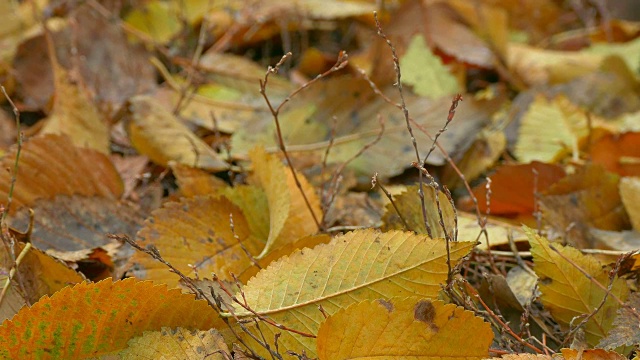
(319, 179)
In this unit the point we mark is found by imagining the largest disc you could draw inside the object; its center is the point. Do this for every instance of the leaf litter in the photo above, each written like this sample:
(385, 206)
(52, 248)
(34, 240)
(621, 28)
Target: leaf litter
(318, 180)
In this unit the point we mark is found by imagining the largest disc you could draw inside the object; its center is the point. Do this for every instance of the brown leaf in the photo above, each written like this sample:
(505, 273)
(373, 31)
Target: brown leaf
(626, 326)
(588, 198)
(51, 165)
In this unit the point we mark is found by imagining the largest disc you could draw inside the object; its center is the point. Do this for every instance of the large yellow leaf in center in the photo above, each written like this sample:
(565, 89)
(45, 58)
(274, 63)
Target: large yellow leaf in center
(357, 266)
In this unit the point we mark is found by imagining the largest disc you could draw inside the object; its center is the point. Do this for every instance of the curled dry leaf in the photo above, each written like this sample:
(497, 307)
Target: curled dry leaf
(51, 165)
(289, 216)
(157, 133)
(568, 294)
(94, 319)
(360, 265)
(402, 328)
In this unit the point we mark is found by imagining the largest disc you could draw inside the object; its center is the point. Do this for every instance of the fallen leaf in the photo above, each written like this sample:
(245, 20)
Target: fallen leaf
(193, 181)
(550, 130)
(178, 343)
(591, 354)
(424, 71)
(513, 190)
(567, 293)
(99, 318)
(588, 198)
(626, 329)
(51, 165)
(289, 216)
(630, 196)
(377, 265)
(618, 153)
(38, 275)
(402, 328)
(155, 132)
(194, 235)
(410, 207)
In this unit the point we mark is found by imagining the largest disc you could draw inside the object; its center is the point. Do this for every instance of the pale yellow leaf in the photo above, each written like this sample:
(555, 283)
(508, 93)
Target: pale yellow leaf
(425, 72)
(404, 328)
(550, 130)
(630, 195)
(567, 293)
(360, 265)
(178, 344)
(157, 133)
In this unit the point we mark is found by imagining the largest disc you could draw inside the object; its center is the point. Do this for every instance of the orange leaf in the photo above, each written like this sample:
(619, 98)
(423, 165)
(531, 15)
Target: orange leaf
(92, 319)
(618, 153)
(50, 165)
(512, 187)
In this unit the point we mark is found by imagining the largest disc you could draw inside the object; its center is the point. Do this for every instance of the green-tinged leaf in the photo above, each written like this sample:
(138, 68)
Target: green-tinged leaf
(550, 130)
(92, 319)
(425, 72)
(568, 294)
(360, 265)
(289, 216)
(176, 344)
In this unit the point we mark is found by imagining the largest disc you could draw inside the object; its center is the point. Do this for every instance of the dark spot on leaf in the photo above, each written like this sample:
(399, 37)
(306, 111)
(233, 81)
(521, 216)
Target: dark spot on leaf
(387, 305)
(425, 312)
(546, 281)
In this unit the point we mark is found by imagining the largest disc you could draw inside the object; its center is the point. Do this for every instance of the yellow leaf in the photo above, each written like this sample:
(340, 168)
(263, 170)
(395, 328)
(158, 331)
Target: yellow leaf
(289, 217)
(155, 132)
(92, 319)
(195, 235)
(404, 328)
(425, 72)
(360, 265)
(567, 293)
(550, 130)
(630, 195)
(410, 207)
(74, 114)
(176, 343)
(193, 181)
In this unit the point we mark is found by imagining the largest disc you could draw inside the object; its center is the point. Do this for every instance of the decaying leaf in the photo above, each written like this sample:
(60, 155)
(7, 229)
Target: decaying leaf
(193, 181)
(94, 319)
(568, 294)
(402, 328)
(588, 198)
(618, 153)
(513, 188)
(51, 165)
(626, 326)
(630, 195)
(357, 266)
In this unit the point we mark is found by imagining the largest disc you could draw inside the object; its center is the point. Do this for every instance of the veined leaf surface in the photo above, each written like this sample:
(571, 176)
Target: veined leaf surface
(360, 265)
